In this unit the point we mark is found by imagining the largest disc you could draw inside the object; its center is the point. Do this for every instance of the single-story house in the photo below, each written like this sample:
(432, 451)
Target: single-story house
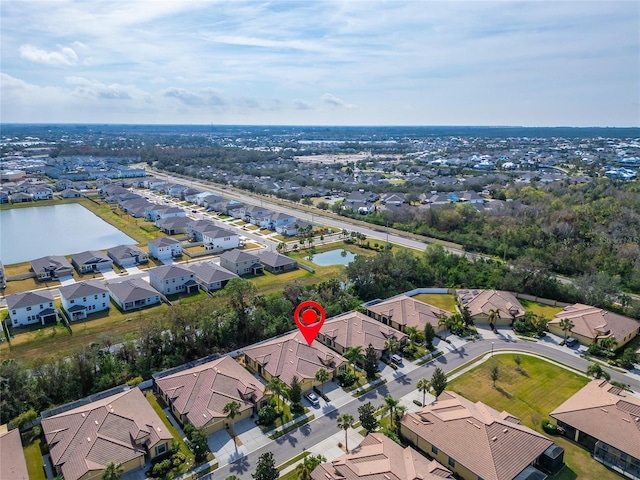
(20, 197)
(403, 311)
(198, 395)
(172, 279)
(379, 457)
(482, 302)
(290, 355)
(355, 329)
(121, 428)
(51, 267)
(606, 420)
(276, 263)
(477, 442)
(164, 248)
(12, 462)
(127, 256)
(92, 261)
(31, 307)
(70, 193)
(173, 225)
(133, 293)
(210, 275)
(80, 299)
(241, 263)
(591, 324)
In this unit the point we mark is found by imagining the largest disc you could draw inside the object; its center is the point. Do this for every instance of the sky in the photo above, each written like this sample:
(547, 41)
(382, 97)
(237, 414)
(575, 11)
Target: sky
(311, 62)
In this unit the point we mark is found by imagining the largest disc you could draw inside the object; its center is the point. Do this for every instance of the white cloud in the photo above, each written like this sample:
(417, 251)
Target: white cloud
(301, 105)
(93, 88)
(64, 56)
(335, 101)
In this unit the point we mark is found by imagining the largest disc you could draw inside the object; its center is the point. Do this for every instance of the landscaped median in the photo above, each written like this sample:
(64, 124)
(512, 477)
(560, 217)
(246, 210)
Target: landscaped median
(292, 425)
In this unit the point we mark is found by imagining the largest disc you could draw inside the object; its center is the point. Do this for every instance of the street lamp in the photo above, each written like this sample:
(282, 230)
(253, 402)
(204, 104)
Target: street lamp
(492, 349)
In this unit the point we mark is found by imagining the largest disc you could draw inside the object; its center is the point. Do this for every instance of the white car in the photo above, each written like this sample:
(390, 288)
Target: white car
(313, 398)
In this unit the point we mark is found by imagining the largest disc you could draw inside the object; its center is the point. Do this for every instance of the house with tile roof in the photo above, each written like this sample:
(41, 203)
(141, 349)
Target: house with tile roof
(355, 329)
(198, 395)
(591, 324)
(133, 293)
(51, 267)
(241, 262)
(477, 442)
(210, 275)
(290, 355)
(172, 279)
(277, 263)
(403, 311)
(81, 299)
(606, 420)
(27, 308)
(12, 462)
(92, 261)
(481, 302)
(379, 457)
(164, 248)
(126, 256)
(121, 428)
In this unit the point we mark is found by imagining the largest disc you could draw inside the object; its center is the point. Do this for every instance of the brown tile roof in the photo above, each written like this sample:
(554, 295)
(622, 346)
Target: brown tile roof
(481, 302)
(491, 444)
(89, 437)
(379, 457)
(201, 392)
(290, 355)
(356, 329)
(591, 322)
(409, 312)
(12, 462)
(605, 412)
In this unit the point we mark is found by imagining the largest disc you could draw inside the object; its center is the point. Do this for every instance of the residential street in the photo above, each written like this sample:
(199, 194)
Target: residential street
(319, 429)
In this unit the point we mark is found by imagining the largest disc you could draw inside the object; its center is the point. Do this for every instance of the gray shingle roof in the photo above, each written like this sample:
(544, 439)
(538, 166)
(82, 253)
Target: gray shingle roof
(209, 272)
(132, 290)
(26, 299)
(237, 256)
(164, 272)
(83, 289)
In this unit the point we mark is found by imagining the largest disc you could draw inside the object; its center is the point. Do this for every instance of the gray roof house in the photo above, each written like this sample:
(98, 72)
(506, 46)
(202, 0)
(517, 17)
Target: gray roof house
(128, 255)
(133, 293)
(276, 263)
(241, 263)
(211, 275)
(172, 279)
(53, 266)
(91, 261)
(31, 307)
(83, 298)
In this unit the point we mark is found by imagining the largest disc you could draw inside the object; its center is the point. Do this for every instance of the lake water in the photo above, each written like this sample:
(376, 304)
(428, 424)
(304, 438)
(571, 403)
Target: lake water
(29, 233)
(333, 257)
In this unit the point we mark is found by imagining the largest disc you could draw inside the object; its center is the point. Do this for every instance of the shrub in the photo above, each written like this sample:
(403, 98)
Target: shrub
(418, 403)
(134, 381)
(297, 409)
(188, 430)
(550, 428)
(267, 415)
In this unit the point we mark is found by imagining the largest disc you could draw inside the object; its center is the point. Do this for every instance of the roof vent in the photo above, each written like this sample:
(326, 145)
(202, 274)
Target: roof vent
(96, 422)
(505, 430)
(195, 374)
(494, 438)
(83, 415)
(88, 439)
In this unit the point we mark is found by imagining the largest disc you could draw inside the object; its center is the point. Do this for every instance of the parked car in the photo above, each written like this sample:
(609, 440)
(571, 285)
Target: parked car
(571, 341)
(313, 398)
(397, 359)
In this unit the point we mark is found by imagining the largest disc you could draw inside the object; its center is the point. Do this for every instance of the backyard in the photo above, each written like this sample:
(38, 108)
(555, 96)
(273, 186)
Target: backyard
(531, 394)
(444, 301)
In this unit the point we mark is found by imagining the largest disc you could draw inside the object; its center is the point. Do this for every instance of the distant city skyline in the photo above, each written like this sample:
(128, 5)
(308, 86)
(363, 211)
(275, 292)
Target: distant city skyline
(541, 63)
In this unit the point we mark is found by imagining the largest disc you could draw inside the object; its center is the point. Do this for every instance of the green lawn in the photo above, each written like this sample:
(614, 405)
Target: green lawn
(547, 311)
(444, 301)
(33, 456)
(531, 397)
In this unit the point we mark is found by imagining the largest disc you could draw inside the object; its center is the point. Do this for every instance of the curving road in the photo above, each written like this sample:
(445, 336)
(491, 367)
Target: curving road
(310, 434)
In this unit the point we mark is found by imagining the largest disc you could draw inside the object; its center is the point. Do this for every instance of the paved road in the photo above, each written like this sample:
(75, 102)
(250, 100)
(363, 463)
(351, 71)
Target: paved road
(310, 434)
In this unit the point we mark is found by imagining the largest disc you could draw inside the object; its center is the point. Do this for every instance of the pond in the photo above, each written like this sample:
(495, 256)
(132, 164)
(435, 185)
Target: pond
(28, 233)
(332, 257)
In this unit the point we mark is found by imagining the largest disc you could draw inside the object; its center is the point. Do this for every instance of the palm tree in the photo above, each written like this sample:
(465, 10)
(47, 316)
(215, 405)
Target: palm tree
(566, 325)
(113, 471)
(390, 405)
(444, 321)
(354, 355)
(609, 344)
(423, 386)
(400, 412)
(414, 334)
(345, 421)
(494, 317)
(308, 465)
(322, 376)
(232, 409)
(277, 387)
(391, 345)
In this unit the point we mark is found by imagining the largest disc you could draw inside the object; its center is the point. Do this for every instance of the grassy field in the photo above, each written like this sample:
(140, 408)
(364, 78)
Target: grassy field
(33, 456)
(444, 301)
(547, 311)
(531, 397)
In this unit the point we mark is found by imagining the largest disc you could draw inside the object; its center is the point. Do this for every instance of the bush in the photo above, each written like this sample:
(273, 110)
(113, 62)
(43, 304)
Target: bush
(134, 381)
(347, 379)
(549, 428)
(418, 403)
(297, 409)
(267, 415)
(188, 430)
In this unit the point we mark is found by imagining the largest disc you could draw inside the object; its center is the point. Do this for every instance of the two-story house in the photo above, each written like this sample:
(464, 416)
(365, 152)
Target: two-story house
(80, 299)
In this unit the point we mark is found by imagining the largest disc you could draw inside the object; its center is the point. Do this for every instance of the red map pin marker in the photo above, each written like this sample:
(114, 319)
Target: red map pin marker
(309, 317)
